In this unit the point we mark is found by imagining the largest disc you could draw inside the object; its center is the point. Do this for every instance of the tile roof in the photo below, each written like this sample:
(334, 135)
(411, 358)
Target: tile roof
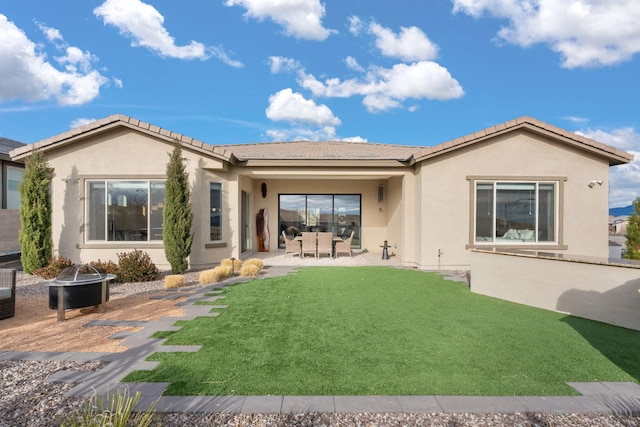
(320, 150)
(328, 150)
(6, 145)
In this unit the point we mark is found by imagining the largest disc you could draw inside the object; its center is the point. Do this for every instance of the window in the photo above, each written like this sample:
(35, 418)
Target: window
(215, 204)
(339, 214)
(515, 212)
(14, 176)
(124, 210)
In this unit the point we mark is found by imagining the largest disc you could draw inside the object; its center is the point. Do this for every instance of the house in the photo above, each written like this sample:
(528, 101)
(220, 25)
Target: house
(519, 184)
(10, 176)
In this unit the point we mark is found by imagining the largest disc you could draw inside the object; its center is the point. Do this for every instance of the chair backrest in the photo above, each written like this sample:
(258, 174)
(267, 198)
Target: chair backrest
(350, 237)
(284, 236)
(308, 240)
(325, 239)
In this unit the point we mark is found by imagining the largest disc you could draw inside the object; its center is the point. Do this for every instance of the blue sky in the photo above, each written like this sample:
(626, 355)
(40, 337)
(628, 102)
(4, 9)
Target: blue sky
(410, 72)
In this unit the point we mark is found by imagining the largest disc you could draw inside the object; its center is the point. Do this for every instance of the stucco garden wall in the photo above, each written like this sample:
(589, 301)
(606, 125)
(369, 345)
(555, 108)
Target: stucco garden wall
(591, 288)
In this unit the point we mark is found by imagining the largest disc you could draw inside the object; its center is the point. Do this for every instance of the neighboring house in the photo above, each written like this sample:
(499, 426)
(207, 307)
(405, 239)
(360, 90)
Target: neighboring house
(520, 184)
(10, 176)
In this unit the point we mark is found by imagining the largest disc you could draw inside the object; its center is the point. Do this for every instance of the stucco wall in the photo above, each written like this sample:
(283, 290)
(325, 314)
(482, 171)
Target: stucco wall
(593, 290)
(9, 229)
(445, 194)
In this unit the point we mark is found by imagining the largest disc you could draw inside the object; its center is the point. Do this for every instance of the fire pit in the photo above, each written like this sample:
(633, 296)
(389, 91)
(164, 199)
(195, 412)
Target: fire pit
(78, 287)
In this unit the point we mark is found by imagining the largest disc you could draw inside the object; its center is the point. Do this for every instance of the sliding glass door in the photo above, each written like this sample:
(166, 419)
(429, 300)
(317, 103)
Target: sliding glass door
(339, 214)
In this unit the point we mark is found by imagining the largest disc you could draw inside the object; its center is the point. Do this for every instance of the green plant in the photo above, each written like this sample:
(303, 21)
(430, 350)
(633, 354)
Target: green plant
(53, 267)
(117, 411)
(177, 216)
(632, 250)
(108, 267)
(35, 214)
(136, 266)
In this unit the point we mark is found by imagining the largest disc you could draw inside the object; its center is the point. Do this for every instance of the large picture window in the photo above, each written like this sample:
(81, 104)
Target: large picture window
(336, 213)
(124, 210)
(515, 212)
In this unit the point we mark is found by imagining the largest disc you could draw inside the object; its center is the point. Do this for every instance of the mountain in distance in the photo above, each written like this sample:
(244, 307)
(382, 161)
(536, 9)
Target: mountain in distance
(627, 210)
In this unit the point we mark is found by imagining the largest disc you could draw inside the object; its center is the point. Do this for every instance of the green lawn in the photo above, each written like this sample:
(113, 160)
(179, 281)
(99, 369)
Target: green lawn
(387, 331)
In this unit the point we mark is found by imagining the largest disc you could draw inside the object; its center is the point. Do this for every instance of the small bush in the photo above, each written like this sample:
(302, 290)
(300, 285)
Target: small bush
(216, 274)
(136, 266)
(108, 267)
(250, 270)
(55, 266)
(118, 411)
(173, 281)
(255, 261)
(237, 264)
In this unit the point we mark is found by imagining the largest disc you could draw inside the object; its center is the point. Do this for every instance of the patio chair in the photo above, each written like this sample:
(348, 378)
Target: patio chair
(325, 244)
(345, 245)
(291, 247)
(308, 244)
(7, 293)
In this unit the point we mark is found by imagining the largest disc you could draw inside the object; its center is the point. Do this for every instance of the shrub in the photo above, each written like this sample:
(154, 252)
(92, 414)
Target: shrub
(255, 261)
(54, 267)
(116, 412)
(173, 281)
(250, 270)
(108, 267)
(34, 235)
(136, 266)
(217, 274)
(177, 216)
(237, 264)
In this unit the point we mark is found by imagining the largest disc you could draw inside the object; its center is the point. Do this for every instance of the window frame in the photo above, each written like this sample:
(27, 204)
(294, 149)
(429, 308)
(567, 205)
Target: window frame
(220, 214)
(557, 181)
(148, 208)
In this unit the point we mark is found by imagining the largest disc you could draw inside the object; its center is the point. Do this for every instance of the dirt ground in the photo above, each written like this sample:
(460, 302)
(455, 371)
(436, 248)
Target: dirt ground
(35, 326)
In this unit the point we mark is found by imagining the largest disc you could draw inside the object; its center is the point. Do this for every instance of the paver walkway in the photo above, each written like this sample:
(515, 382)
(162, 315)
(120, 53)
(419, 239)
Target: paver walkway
(600, 398)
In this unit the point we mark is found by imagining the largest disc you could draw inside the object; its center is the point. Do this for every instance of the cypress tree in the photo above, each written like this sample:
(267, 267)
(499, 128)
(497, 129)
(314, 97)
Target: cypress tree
(35, 214)
(177, 216)
(632, 250)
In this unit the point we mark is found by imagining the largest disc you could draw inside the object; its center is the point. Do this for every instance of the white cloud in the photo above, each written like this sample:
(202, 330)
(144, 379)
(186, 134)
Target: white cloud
(355, 25)
(310, 121)
(586, 33)
(280, 64)
(624, 180)
(80, 122)
(352, 64)
(26, 74)
(300, 18)
(386, 88)
(144, 25)
(410, 45)
(292, 107)
(354, 139)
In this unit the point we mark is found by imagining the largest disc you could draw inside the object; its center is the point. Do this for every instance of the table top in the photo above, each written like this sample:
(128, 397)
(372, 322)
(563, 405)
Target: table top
(335, 239)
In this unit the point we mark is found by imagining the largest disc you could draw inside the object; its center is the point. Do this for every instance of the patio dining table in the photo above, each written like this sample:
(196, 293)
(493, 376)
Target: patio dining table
(335, 239)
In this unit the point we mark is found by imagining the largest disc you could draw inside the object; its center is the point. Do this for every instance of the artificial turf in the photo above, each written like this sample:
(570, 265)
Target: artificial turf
(386, 331)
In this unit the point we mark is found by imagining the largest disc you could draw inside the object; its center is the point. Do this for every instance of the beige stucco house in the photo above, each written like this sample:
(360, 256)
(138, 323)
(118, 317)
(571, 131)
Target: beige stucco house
(520, 184)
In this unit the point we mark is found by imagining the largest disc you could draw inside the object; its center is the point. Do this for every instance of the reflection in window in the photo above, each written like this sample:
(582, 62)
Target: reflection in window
(338, 214)
(215, 205)
(14, 176)
(515, 212)
(125, 210)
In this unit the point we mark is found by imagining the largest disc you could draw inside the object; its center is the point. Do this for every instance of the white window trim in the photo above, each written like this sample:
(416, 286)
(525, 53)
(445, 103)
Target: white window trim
(558, 244)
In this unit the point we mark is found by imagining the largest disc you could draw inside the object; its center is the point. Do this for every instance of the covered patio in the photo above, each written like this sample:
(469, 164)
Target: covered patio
(359, 258)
